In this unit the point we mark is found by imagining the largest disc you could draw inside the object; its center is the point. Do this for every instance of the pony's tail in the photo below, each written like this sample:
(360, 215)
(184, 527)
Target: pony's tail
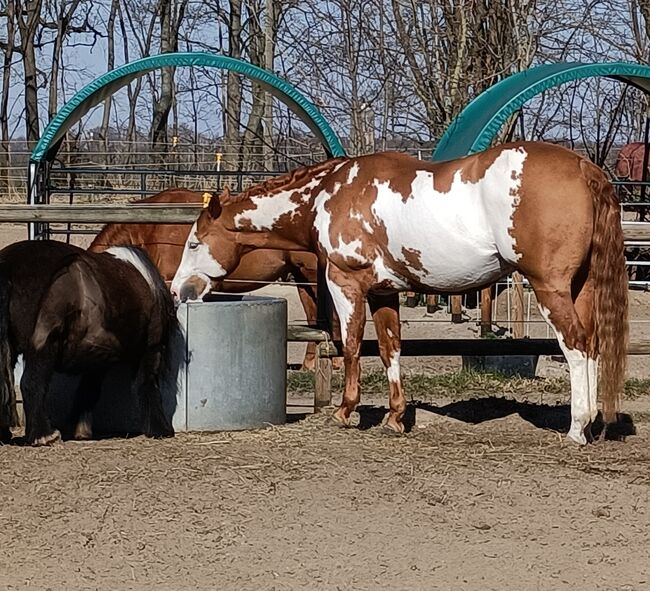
(610, 283)
(8, 415)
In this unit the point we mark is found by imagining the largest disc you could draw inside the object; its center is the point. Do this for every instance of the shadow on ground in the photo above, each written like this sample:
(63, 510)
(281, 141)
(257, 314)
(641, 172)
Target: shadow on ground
(479, 410)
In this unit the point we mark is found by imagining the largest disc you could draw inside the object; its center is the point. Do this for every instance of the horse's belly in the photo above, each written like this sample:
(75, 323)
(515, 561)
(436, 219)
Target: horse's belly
(457, 273)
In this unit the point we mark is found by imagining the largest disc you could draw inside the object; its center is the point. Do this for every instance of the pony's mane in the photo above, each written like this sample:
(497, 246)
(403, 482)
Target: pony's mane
(138, 258)
(280, 183)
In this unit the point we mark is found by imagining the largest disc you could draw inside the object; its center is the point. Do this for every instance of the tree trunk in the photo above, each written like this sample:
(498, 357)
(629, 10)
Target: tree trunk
(110, 65)
(5, 159)
(233, 90)
(28, 18)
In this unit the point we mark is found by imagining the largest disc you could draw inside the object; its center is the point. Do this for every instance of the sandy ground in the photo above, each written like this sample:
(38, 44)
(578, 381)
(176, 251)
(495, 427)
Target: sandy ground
(482, 494)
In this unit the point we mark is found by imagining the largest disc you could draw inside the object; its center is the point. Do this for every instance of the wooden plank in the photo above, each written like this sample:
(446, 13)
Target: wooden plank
(486, 311)
(101, 214)
(323, 379)
(636, 230)
(163, 213)
(517, 305)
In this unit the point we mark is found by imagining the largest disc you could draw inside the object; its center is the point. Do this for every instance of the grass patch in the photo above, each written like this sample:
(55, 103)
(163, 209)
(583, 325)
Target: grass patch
(461, 384)
(636, 388)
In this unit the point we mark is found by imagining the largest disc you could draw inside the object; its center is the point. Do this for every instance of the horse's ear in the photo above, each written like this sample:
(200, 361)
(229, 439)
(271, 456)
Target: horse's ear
(214, 206)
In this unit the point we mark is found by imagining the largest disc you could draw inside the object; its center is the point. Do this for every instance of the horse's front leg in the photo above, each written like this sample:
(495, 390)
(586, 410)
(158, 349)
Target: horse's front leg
(349, 301)
(385, 314)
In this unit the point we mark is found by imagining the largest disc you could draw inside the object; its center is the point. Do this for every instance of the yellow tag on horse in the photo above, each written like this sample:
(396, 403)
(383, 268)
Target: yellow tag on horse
(206, 199)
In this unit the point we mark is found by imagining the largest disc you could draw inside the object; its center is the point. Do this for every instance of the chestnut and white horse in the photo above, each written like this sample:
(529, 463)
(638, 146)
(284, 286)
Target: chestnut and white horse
(387, 222)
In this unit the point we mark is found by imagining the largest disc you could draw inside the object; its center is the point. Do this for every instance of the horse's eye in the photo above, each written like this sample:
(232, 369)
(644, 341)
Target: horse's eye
(193, 245)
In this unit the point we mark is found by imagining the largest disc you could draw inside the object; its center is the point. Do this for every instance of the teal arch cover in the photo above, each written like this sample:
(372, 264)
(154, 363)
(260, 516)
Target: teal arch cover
(103, 87)
(478, 123)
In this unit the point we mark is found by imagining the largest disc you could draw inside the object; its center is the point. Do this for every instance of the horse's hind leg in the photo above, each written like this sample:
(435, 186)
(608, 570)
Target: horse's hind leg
(39, 367)
(557, 308)
(147, 388)
(87, 396)
(584, 305)
(385, 314)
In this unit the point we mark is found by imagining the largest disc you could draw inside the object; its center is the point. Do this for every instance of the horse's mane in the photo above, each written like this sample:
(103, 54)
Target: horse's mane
(279, 183)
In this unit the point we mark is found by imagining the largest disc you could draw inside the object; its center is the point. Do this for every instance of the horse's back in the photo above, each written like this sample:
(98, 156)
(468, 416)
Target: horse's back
(449, 225)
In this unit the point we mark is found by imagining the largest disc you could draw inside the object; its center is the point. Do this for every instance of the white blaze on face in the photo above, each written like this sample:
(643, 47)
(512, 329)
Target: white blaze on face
(197, 261)
(463, 234)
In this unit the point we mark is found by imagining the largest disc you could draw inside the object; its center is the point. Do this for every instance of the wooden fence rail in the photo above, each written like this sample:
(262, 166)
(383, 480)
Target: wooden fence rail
(164, 214)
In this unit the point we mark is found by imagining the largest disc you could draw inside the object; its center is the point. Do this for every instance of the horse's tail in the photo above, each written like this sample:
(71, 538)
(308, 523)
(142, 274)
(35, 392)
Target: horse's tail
(610, 283)
(8, 415)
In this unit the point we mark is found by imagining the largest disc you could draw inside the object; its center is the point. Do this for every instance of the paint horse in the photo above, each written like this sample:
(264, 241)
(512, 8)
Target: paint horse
(71, 311)
(164, 244)
(387, 222)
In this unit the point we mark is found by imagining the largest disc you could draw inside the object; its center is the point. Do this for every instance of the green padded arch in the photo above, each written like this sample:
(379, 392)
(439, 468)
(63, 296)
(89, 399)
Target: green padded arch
(478, 123)
(103, 87)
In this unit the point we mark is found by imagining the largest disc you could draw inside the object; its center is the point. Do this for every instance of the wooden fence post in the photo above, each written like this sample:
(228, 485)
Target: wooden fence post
(432, 303)
(323, 379)
(517, 305)
(486, 311)
(456, 309)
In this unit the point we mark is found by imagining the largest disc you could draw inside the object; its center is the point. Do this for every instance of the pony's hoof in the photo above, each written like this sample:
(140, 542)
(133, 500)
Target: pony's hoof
(160, 433)
(47, 439)
(5, 435)
(340, 420)
(84, 429)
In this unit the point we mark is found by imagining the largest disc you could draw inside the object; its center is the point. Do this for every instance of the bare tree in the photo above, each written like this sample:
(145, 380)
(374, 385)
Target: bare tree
(8, 51)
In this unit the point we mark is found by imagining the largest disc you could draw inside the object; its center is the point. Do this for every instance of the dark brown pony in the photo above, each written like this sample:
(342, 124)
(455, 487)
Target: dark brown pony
(386, 223)
(164, 244)
(70, 311)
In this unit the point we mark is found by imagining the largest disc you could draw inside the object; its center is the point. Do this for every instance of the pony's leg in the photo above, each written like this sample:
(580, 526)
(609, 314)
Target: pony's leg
(385, 314)
(87, 396)
(350, 306)
(147, 388)
(558, 310)
(39, 367)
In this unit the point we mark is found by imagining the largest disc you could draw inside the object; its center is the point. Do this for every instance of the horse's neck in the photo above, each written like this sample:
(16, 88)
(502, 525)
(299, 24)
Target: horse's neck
(118, 234)
(272, 222)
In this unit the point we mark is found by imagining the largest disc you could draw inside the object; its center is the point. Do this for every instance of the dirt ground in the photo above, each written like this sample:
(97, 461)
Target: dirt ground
(482, 494)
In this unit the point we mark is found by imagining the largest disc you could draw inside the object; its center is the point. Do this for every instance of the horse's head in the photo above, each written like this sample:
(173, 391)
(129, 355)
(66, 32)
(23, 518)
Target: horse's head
(210, 254)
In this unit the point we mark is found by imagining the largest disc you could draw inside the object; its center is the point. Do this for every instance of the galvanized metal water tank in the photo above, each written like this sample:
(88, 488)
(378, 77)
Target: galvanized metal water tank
(229, 372)
(234, 375)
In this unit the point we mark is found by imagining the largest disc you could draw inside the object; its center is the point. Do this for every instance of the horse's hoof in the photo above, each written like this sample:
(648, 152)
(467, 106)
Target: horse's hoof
(393, 427)
(47, 439)
(575, 438)
(5, 435)
(84, 429)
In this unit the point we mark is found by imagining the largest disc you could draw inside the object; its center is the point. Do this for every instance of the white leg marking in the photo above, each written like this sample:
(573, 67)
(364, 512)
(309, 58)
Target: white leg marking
(392, 371)
(581, 397)
(344, 307)
(592, 373)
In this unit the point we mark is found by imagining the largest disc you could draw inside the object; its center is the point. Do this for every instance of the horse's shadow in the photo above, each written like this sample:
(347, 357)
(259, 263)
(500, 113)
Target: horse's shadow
(479, 410)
